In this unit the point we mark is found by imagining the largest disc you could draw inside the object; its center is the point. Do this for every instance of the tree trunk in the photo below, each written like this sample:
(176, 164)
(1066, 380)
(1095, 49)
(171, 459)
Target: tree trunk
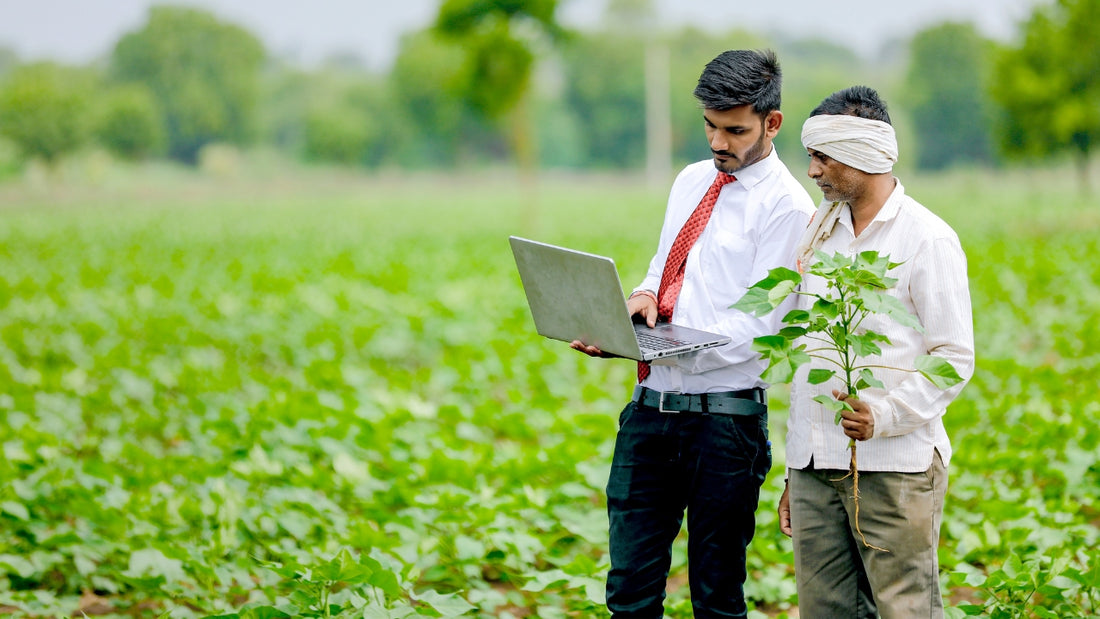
(525, 145)
(1084, 181)
(658, 112)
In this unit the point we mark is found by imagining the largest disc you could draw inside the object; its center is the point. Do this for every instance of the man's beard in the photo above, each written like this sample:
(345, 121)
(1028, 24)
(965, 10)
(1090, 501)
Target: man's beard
(752, 155)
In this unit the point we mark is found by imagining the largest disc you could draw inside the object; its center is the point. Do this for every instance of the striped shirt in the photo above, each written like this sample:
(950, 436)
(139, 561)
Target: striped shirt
(908, 413)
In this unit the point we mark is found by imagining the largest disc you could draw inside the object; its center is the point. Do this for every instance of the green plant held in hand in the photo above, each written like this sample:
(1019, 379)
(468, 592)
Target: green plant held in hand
(831, 330)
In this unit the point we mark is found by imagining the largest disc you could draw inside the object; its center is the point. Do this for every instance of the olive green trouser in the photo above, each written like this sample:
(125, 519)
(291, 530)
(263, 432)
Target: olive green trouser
(838, 576)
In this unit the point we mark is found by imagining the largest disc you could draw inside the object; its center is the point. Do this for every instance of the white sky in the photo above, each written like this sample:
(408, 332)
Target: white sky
(77, 31)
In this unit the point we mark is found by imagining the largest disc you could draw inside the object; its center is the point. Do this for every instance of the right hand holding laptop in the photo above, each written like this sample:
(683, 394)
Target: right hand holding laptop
(643, 303)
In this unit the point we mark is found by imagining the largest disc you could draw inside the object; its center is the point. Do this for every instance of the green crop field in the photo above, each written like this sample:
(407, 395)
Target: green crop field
(318, 394)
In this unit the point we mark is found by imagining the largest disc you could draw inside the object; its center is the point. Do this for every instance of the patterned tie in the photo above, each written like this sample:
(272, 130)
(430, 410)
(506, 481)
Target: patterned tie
(672, 279)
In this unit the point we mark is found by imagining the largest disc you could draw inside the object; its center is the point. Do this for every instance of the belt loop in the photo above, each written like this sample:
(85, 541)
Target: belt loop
(704, 403)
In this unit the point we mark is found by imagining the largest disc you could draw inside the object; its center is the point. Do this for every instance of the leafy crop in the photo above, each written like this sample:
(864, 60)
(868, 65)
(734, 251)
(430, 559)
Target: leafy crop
(308, 393)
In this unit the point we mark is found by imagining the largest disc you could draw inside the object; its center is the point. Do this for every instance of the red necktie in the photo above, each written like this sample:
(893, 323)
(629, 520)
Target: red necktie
(672, 279)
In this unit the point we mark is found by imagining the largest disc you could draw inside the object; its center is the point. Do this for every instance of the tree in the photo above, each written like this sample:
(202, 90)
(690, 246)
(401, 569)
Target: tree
(1049, 87)
(608, 97)
(498, 37)
(203, 73)
(129, 122)
(43, 108)
(427, 81)
(948, 97)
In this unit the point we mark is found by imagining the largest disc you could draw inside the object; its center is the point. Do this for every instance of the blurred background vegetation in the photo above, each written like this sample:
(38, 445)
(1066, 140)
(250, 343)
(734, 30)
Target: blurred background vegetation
(500, 83)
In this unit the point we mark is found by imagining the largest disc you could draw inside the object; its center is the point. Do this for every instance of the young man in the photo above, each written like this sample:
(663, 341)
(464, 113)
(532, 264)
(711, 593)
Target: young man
(903, 449)
(694, 437)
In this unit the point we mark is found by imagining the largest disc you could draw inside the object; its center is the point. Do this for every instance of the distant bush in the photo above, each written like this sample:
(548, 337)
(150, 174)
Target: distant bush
(203, 72)
(338, 134)
(129, 123)
(43, 110)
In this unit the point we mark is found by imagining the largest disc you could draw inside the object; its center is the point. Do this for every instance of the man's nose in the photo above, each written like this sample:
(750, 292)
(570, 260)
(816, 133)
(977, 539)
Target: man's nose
(815, 169)
(717, 141)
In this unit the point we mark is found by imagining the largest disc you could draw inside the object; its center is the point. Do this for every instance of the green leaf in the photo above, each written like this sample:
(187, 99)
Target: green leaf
(867, 380)
(780, 292)
(783, 359)
(938, 370)
(768, 293)
(792, 333)
(797, 316)
(153, 562)
(832, 403)
(818, 376)
(447, 605)
(864, 344)
(17, 565)
(18, 510)
(882, 303)
(825, 308)
(263, 612)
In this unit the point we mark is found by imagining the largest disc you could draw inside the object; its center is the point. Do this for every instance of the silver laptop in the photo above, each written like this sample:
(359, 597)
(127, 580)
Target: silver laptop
(574, 295)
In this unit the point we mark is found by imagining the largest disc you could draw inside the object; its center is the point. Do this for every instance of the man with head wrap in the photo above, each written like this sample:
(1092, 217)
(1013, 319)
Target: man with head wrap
(903, 449)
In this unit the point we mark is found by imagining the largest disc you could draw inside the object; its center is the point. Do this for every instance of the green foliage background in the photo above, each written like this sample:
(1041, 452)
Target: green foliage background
(208, 379)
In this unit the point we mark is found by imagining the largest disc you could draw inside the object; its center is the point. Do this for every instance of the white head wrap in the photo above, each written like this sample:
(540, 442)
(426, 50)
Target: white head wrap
(862, 143)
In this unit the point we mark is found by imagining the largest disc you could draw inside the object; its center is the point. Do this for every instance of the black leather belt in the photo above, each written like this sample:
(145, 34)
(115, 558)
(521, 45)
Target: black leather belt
(746, 402)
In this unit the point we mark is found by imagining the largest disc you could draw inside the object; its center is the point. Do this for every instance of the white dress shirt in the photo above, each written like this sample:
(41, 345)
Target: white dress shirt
(754, 227)
(908, 413)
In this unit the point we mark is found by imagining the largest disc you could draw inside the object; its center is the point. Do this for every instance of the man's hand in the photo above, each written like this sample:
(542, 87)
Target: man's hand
(858, 423)
(643, 304)
(591, 351)
(785, 513)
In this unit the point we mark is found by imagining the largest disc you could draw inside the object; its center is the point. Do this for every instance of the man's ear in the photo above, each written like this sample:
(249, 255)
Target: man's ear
(772, 122)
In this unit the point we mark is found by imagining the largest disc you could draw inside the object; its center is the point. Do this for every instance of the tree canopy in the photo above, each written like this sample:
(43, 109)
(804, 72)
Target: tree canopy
(946, 92)
(43, 110)
(204, 74)
(1048, 87)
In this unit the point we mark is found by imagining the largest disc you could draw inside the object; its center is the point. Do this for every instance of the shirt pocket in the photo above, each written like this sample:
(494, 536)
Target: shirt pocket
(727, 268)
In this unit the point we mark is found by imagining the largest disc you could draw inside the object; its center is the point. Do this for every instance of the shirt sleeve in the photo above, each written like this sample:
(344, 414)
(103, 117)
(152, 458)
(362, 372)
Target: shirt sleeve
(941, 297)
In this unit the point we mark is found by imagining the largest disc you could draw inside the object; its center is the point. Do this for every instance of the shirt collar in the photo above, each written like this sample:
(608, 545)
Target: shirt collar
(892, 207)
(753, 174)
(889, 210)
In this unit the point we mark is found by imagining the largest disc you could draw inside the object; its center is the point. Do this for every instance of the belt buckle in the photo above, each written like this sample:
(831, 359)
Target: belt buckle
(661, 403)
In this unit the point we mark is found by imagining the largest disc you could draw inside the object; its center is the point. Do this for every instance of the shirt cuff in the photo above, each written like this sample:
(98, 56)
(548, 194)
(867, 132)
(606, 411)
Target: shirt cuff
(648, 293)
(884, 419)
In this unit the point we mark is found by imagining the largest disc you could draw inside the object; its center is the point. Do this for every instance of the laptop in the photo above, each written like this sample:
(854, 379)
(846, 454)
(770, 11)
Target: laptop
(575, 295)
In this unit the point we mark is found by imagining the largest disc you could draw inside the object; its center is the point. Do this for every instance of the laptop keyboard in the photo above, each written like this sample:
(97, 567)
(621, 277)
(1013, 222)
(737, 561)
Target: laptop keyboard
(657, 342)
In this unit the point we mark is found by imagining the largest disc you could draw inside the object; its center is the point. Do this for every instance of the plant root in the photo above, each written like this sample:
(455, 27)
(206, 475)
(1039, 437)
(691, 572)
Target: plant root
(853, 471)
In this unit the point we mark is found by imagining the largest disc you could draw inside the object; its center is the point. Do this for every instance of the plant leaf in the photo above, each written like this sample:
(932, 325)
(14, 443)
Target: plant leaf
(768, 293)
(867, 379)
(864, 344)
(938, 370)
(784, 363)
(818, 376)
(882, 303)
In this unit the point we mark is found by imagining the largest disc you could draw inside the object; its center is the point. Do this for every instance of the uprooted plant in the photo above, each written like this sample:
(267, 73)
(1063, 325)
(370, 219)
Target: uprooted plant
(831, 330)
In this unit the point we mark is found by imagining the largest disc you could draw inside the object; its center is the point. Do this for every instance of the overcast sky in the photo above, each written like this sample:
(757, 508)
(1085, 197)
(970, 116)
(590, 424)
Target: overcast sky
(77, 31)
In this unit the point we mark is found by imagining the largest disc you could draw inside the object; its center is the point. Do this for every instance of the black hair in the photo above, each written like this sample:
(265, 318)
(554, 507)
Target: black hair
(858, 101)
(741, 77)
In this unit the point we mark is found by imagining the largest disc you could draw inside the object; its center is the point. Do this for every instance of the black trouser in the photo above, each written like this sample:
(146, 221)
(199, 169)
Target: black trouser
(711, 465)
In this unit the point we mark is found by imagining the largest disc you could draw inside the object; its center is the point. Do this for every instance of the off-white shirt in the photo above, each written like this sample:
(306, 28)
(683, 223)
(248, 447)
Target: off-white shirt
(908, 413)
(753, 228)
